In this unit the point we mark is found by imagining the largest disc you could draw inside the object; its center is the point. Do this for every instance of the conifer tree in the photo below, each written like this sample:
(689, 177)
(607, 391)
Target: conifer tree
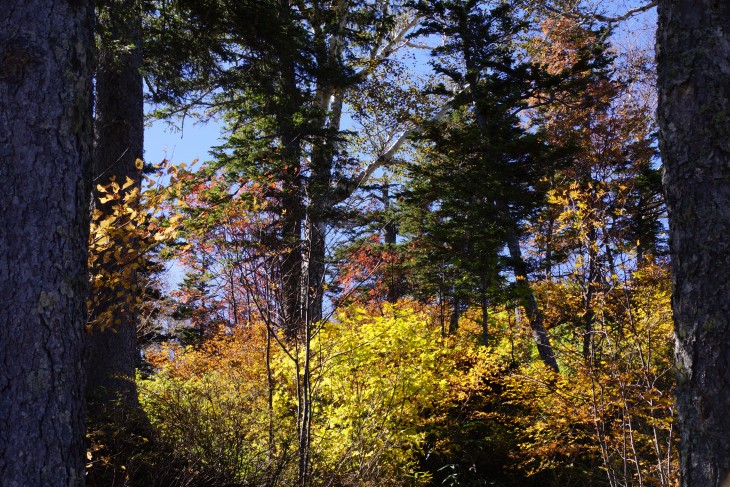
(490, 166)
(46, 120)
(118, 153)
(693, 47)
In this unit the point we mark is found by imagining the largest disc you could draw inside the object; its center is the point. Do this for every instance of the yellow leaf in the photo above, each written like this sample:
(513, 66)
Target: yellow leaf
(139, 164)
(129, 182)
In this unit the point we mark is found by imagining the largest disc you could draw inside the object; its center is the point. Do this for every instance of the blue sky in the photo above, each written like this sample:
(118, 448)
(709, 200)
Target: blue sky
(192, 142)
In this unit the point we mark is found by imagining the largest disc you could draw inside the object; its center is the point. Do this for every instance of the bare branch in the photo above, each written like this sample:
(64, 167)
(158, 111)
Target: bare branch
(420, 45)
(627, 15)
(604, 18)
(345, 188)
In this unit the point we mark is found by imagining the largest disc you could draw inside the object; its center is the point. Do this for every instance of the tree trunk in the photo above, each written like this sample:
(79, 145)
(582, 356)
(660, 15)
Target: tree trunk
(528, 301)
(291, 240)
(485, 311)
(390, 239)
(119, 135)
(693, 55)
(293, 211)
(591, 285)
(45, 152)
(455, 314)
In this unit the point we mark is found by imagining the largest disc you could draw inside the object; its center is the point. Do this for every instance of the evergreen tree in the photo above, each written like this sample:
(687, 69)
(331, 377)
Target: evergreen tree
(692, 52)
(118, 152)
(487, 174)
(46, 120)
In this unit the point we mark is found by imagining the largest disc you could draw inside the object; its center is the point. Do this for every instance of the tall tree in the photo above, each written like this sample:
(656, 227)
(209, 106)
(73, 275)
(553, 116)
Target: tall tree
(477, 60)
(118, 140)
(693, 48)
(282, 83)
(45, 135)
(603, 202)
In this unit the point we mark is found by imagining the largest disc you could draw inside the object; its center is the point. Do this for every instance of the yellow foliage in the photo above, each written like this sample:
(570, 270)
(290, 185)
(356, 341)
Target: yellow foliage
(124, 231)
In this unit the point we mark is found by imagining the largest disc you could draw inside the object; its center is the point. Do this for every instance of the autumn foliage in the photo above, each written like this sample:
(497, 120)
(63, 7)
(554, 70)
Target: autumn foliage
(494, 309)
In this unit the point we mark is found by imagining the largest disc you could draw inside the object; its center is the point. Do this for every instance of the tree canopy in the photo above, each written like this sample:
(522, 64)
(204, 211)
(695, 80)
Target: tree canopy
(430, 248)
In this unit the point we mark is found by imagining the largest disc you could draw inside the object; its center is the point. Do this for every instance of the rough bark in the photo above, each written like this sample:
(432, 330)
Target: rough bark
(45, 152)
(118, 143)
(693, 56)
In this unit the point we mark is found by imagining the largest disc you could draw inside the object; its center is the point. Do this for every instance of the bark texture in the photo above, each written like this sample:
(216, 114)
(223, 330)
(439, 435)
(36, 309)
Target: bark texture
(45, 151)
(118, 143)
(693, 56)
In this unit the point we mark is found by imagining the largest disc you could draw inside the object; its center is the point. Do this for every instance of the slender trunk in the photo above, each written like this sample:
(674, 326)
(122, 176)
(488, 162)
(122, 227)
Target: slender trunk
(305, 411)
(591, 282)
(549, 249)
(485, 312)
(528, 301)
(693, 49)
(270, 398)
(442, 313)
(45, 156)
(639, 223)
(455, 315)
(118, 144)
(390, 239)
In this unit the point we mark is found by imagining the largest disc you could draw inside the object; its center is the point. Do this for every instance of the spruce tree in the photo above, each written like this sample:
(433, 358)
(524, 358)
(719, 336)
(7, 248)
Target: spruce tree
(488, 167)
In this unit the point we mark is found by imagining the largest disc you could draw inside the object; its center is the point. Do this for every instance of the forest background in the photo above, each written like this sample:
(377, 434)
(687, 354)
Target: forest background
(429, 249)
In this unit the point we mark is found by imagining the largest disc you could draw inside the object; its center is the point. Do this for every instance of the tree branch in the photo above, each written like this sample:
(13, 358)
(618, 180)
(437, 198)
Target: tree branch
(345, 188)
(604, 18)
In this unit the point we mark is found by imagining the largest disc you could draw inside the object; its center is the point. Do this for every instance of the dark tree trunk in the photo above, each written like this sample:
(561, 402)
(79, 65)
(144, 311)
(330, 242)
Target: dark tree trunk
(316, 242)
(455, 315)
(485, 311)
(291, 241)
(45, 153)
(293, 211)
(529, 302)
(118, 142)
(693, 56)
